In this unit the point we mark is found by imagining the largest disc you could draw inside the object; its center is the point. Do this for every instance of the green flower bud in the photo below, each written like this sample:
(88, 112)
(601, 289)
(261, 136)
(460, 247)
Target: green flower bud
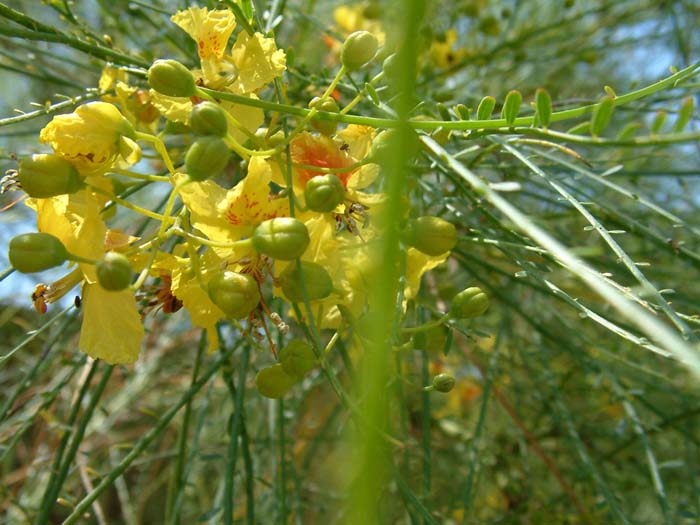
(206, 158)
(318, 283)
(208, 118)
(388, 139)
(45, 176)
(171, 78)
(283, 238)
(390, 67)
(443, 383)
(274, 382)
(36, 252)
(114, 271)
(372, 10)
(298, 358)
(358, 49)
(329, 105)
(430, 235)
(471, 302)
(323, 193)
(235, 293)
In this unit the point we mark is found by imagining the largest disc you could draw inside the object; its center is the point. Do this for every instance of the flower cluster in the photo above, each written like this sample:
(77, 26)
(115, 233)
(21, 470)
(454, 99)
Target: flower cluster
(255, 210)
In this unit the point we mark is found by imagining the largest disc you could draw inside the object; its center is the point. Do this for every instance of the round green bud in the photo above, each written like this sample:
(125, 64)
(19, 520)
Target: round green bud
(44, 176)
(372, 10)
(471, 302)
(283, 238)
(208, 118)
(206, 158)
(323, 193)
(318, 283)
(36, 252)
(358, 49)
(388, 139)
(114, 271)
(235, 293)
(171, 78)
(443, 383)
(430, 235)
(298, 358)
(274, 382)
(390, 67)
(329, 105)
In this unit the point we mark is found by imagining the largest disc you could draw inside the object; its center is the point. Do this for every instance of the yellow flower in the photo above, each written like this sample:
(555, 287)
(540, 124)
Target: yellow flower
(352, 18)
(135, 103)
(347, 148)
(257, 60)
(179, 109)
(228, 216)
(191, 288)
(92, 138)
(443, 53)
(210, 29)
(111, 328)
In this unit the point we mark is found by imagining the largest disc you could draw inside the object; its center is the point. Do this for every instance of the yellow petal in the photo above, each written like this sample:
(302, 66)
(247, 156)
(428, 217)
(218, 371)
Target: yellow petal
(210, 29)
(258, 61)
(358, 138)
(206, 202)
(176, 109)
(249, 117)
(112, 328)
(249, 203)
(88, 137)
(417, 263)
(186, 286)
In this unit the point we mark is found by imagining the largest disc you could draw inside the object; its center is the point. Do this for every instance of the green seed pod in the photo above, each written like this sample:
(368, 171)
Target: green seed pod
(206, 158)
(485, 109)
(358, 49)
(443, 383)
(283, 238)
(36, 252)
(659, 121)
(543, 105)
(386, 140)
(430, 235)
(684, 114)
(390, 67)
(171, 78)
(316, 279)
(462, 111)
(372, 10)
(468, 303)
(208, 118)
(329, 105)
(298, 358)
(601, 115)
(274, 382)
(235, 293)
(323, 193)
(45, 176)
(114, 271)
(511, 107)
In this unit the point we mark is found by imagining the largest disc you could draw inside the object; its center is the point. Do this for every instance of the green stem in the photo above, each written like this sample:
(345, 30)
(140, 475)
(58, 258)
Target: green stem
(140, 176)
(182, 442)
(46, 33)
(54, 486)
(160, 148)
(427, 326)
(145, 441)
(463, 125)
(235, 431)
